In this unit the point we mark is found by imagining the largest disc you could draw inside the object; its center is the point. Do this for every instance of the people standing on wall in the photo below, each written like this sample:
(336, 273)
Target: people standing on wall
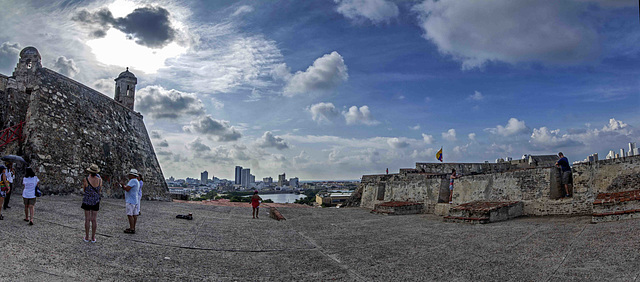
(563, 162)
(255, 203)
(30, 182)
(140, 180)
(92, 188)
(131, 200)
(4, 186)
(451, 178)
(9, 173)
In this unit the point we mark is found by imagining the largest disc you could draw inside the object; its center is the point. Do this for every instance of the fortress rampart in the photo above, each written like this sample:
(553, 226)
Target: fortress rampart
(68, 126)
(537, 187)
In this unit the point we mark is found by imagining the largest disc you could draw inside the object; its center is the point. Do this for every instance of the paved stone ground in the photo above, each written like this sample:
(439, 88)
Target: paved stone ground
(224, 243)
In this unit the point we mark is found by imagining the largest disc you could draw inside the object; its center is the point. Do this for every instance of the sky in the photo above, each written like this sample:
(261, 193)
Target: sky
(335, 89)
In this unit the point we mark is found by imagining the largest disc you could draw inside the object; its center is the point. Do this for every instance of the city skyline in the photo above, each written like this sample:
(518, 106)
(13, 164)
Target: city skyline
(337, 89)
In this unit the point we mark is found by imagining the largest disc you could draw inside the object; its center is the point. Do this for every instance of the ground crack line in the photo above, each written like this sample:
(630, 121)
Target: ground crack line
(333, 258)
(567, 254)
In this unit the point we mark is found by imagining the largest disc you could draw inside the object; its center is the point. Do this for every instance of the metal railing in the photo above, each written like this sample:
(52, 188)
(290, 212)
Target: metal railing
(11, 134)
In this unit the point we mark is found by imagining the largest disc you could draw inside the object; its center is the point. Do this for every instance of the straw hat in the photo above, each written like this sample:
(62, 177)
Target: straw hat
(133, 172)
(93, 168)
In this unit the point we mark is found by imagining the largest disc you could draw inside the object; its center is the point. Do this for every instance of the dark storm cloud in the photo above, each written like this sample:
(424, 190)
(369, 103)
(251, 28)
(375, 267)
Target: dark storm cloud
(148, 26)
(66, 66)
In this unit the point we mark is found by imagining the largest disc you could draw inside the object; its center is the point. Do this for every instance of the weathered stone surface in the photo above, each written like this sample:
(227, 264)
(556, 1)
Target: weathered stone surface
(225, 244)
(398, 208)
(538, 188)
(68, 126)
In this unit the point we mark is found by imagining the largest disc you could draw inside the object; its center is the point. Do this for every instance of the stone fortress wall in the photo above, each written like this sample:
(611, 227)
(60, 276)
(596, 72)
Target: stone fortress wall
(538, 187)
(68, 126)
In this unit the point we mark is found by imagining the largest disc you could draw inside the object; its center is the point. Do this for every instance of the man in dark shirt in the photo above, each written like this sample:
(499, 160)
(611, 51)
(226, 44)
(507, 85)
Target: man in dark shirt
(563, 162)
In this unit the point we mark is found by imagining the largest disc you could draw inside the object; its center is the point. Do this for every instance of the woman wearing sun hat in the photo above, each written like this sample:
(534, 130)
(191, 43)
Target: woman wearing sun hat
(92, 186)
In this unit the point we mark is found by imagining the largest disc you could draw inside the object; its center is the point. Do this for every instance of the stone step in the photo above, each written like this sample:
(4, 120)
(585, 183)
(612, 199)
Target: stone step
(616, 206)
(484, 212)
(398, 208)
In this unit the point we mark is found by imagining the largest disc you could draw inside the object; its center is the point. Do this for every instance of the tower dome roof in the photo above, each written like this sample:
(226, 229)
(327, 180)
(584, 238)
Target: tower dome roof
(126, 73)
(29, 51)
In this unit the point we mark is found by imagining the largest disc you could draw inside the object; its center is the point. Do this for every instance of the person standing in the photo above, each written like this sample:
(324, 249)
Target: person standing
(131, 200)
(139, 193)
(9, 175)
(255, 203)
(4, 186)
(30, 182)
(565, 169)
(451, 178)
(92, 186)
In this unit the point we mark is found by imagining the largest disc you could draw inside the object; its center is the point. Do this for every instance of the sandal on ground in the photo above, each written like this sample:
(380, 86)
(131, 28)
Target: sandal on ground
(1, 217)
(85, 240)
(129, 231)
(30, 222)
(25, 219)
(93, 241)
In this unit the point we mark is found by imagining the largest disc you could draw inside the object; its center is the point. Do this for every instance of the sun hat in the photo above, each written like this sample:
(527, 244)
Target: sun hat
(133, 172)
(93, 168)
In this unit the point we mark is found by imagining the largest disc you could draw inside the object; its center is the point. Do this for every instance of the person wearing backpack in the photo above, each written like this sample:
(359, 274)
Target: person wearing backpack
(30, 182)
(92, 186)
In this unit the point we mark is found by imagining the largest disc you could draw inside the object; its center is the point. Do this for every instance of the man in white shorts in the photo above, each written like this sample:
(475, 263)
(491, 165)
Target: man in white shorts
(131, 200)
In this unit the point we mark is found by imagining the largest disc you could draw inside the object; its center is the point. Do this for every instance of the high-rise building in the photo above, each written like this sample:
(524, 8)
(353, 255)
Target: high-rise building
(282, 179)
(611, 155)
(238, 175)
(293, 182)
(267, 180)
(204, 176)
(632, 148)
(622, 155)
(253, 179)
(245, 177)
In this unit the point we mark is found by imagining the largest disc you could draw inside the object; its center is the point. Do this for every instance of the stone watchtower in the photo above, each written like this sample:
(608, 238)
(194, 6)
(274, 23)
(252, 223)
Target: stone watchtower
(126, 89)
(25, 72)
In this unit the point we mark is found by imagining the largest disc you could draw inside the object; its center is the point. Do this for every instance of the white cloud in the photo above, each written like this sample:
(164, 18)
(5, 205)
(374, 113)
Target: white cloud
(268, 140)
(361, 115)
(326, 73)
(477, 96)
(511, 31)
(513, 127)
(426, 154)
(614, 125)
(323, 112)
(427, 138)
(549, 139)
(449, 135)
(376, 11)
(197, 146)
(416, 127)
(397, 143)
(66, 66)
(472, 136)
(220, 129)
(244, 9)
(171, 104)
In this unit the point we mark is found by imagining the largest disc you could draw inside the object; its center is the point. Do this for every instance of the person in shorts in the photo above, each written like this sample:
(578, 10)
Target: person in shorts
(131, 200)
(92, 187)
(255, 204)
(9, 173)
(563, 163)
(30, 182)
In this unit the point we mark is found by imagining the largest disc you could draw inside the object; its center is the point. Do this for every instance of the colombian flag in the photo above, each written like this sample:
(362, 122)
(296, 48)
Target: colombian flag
(439, 155)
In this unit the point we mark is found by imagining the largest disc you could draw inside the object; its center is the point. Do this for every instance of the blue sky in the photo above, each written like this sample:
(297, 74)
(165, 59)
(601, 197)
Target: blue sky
(338, 89)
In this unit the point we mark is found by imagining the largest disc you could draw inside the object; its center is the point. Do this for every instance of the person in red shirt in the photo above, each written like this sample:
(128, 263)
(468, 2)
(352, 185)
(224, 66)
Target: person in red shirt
(255, 203)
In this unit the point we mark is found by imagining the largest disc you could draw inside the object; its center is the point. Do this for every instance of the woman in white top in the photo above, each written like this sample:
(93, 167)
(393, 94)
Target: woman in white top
(30, 182)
